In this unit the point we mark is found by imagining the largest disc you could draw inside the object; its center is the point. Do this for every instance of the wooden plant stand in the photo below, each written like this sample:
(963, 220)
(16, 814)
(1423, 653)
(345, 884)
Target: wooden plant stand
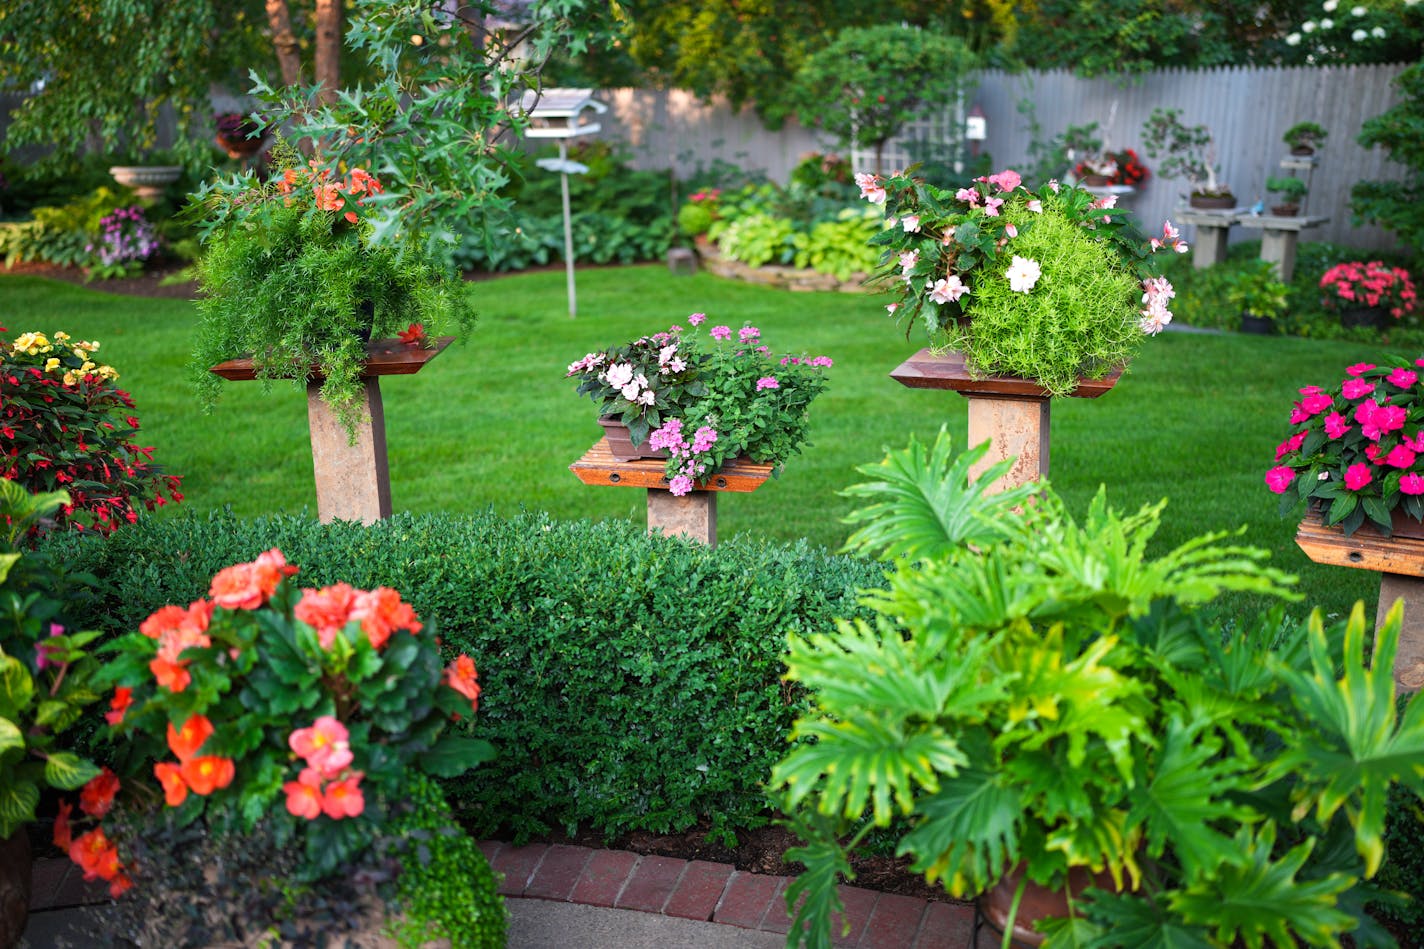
(1400, 564)
(1008, 411)
(692, 515)
(1213, 229)
(353, 481)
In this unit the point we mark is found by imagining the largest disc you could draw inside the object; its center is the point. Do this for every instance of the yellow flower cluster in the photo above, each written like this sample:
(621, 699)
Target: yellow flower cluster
(71, 361)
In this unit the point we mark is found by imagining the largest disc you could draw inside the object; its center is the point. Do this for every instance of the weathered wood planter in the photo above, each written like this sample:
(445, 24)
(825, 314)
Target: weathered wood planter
(1009, 411)
(692, 515)
(1399, 560)
(353, 481)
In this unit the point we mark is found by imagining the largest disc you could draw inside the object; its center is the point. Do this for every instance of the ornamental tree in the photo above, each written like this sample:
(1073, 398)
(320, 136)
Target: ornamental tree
(1400, 130)
(869, 82)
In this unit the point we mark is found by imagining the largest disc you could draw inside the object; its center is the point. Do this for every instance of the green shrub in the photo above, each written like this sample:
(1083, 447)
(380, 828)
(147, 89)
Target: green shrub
(630, 682)
(755, 239)
(60, 235)
(841, 246)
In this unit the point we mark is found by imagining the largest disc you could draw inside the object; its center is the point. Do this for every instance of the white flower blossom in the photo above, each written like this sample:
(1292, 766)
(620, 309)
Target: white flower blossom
(619, 375)
(1326, 23)
(1329, 5)
(1292, 39)
(1023, 274)
(1308, 26)
(1358, 11)
(1358, 35)
(1378, 32)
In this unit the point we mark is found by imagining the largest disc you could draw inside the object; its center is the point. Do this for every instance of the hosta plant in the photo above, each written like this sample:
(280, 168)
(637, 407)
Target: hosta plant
(1038, 694)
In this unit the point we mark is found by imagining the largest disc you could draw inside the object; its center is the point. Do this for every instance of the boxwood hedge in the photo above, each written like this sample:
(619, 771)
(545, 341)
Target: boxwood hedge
(630, 682)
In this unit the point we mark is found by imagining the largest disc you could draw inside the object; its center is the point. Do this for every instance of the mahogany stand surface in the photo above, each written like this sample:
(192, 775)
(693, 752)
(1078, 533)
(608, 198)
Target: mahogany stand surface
(1400, 564)
(692, 515)
(1010, 412)
(353, 481)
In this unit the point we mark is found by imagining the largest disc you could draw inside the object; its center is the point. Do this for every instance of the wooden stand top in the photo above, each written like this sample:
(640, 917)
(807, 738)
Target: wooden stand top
(925, 370)
(597, 467)
(1366, 549)
(384, 357)
(1275, 222)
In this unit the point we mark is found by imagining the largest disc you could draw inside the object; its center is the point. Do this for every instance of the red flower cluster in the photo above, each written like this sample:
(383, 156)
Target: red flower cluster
(328, 194)
(1355, 285)
(327, 785)
(201, 774)
(65, 425)
(95, 854)
(1130, 169)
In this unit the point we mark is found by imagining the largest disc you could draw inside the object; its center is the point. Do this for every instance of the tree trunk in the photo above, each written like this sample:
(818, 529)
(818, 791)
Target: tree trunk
(328, 49)
(279, 18)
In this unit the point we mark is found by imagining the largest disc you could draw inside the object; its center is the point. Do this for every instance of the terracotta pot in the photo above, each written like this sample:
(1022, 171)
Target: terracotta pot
(620, 443)
(238, 146)
(1212, 202)
(1096, 181)
(1039, 902)
(15, 886)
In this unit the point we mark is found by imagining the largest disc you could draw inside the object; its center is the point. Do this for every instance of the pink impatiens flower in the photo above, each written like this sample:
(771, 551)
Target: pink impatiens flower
(1404, 378)
(1400, 457)
(1356, 388)
(1359, 368)
(1335, 425)
(1357, 476)
(1279, 478)
(1006, 180)
(1411, 484)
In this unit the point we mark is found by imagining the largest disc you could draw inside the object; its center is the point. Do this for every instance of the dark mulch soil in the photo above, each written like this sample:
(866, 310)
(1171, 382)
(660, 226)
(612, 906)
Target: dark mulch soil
(147, 284)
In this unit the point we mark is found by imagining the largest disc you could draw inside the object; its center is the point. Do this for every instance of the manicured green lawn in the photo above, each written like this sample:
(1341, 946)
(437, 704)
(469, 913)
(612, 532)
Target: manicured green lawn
(493, 422)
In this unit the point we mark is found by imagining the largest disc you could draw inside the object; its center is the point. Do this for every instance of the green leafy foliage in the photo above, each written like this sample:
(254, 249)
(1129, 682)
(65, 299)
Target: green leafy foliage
(1187, 152)
(565, 621)
(1400, 131)
(1051, 699)
(841, 247)
(63, 234)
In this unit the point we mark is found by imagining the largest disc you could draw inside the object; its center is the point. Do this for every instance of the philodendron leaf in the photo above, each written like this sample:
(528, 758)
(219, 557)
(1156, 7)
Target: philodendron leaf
(969, 832)
(812, 898)
(1261, 901)
(1137, 921)
(1355, 747)
(927, 505)
(6, 562)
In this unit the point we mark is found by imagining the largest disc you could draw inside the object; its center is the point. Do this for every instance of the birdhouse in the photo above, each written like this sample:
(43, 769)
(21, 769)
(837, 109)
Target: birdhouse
(561, 113)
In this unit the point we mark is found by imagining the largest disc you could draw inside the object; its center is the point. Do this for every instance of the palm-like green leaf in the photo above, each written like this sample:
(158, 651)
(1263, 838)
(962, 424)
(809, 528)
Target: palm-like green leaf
(1190, 791)
(1137, 921)
(1259, 900)
(969, 833)
(1362, 747)
(812, 898)
(930, 505)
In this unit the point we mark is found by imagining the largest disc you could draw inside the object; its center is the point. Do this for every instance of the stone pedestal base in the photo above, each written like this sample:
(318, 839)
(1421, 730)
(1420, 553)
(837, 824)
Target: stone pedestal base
(692, 515)
(1409, 660)
(1014, 428)
(353, 482)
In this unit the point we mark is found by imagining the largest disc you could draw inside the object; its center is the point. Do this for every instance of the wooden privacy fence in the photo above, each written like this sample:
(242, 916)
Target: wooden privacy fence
(1247, 109)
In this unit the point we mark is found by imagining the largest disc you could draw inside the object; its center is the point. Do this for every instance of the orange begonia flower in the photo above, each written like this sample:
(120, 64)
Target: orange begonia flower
(344, 798)
(237, 587)
(270, 567)
(170, 776)
(62, 836)
(120, 884)
(170, 675)
(381, 613)
(164, 619)
(323, 745)
(186, 741)
(208, 774)
(461, 676)
(327, 610)
(98, 795)
(328, 197)
(123, 698)
(96, 856)
(304, 795)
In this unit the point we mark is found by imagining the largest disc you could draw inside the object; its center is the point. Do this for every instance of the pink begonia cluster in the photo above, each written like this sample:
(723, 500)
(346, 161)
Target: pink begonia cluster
(669, 438)
(327, 785)
(1365, 400)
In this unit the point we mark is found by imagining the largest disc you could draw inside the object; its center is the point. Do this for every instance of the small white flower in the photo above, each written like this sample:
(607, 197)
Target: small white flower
(1308, 26)
(1378, 32)
(1036, 206)
(1292, 39)
(631, 390)
(1329, 5)
(1358, 11)
(619, 375)
(1023, 274)
(1358, 35)
(1326, 23)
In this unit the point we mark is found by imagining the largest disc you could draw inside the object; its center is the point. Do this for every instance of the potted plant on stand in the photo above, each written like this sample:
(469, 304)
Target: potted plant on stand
(1039, 704)
(700, 402)
(1256, 293)
(1304, 138)
(1187, 152)
(1023, 295)
(241, 136)
(1291, 189)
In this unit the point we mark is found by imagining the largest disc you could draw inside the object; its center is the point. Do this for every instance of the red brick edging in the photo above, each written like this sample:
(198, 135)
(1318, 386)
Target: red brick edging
(718, 893)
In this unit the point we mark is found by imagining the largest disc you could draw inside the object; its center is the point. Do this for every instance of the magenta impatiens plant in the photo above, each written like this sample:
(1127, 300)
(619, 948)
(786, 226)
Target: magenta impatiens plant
(1357, 285)
(1356, 450)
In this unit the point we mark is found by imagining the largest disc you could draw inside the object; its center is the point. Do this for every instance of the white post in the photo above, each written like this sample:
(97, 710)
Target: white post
(568, 228)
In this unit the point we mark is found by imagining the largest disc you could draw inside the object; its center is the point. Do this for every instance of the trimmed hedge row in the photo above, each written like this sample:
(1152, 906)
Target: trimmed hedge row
(630, 682)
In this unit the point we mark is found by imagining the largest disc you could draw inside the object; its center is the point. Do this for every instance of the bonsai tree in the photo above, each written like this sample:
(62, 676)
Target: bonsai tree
(869, 82)
(1187, 152)
(1037, 696)
(1290, 188)
(1304, 137)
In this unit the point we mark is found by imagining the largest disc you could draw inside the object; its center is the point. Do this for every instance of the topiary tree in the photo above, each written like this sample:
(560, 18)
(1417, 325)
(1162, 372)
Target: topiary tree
(1400, 130)
(869, 82)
